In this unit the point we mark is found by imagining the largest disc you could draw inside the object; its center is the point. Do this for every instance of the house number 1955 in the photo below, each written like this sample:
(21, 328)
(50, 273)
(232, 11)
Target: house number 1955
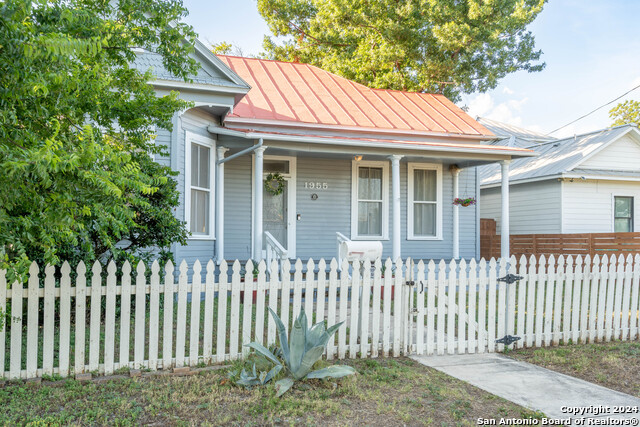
(316, 185)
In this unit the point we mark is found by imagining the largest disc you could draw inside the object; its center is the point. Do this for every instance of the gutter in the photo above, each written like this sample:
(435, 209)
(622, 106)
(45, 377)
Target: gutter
(358, 129)
(372, 144)
(203, 87)
(565, 177)
(521, 181)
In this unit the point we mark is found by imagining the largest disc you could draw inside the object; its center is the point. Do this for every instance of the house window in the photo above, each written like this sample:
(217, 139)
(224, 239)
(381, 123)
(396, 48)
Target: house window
(199, 161)
(370, 201)
(424, 207)
(623, 214)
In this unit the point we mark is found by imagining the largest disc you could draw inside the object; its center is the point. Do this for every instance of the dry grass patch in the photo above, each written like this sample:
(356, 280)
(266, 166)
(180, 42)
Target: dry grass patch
(385, 392)
(615, 365)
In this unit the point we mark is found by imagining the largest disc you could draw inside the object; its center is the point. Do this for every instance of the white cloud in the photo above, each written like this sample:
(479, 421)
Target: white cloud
(509, 111)
(507, 91)
(480, 105)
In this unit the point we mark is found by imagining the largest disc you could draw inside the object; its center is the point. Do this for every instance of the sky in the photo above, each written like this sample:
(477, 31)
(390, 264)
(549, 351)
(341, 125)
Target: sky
(591, 48)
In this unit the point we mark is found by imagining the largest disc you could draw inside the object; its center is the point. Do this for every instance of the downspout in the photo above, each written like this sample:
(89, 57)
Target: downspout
(241, 153)
(220, 205)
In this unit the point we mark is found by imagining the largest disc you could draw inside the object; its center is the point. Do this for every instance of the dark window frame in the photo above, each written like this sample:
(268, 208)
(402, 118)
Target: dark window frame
(628, 218)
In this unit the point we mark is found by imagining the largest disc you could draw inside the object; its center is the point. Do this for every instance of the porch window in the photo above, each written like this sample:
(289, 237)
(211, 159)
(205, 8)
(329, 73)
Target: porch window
(424, 213)
(370, 201)
(623, 214)
(199, 185)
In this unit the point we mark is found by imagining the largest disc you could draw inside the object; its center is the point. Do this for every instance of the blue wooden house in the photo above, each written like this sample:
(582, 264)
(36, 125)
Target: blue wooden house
(344, 162)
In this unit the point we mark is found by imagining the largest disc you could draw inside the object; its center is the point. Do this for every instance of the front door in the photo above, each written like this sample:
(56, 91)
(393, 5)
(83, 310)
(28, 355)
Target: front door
(275, 215)
(278, 211)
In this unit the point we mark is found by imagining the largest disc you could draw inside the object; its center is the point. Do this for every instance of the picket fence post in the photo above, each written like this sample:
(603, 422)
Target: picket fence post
(355, 310)
(167, 327)
(472, 342)
(375, 308)
(364, 308)
(154, 320)
(65, 319)
(635, 284)
(110, 319)
(125, 316)
(221, 328)
(421, 291)
(209, 297)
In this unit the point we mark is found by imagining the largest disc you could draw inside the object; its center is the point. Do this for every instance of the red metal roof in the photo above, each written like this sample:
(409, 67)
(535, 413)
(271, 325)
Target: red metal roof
(295, 92)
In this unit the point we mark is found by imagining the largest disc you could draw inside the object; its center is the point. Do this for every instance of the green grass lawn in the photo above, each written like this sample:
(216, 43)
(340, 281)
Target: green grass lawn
(385, 392)
(615, 364)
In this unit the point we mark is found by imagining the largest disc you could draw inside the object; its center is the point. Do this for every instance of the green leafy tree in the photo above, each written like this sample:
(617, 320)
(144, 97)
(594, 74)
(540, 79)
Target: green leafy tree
(77, 125)
(625, 112)
(222, 48)
(440, 46)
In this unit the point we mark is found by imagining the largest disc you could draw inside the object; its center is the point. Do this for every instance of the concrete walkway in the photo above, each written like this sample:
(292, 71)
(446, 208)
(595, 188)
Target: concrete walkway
(534, 387)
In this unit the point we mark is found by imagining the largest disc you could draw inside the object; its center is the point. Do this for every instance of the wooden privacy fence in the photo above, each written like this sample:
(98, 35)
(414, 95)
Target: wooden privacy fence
(69, 322)
(610, 244)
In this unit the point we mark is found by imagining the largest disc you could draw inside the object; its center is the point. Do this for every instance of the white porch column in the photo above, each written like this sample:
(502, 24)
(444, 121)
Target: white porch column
(395, 202)
(257, 203)
(455, 173)
(504, 226)
(220, 206)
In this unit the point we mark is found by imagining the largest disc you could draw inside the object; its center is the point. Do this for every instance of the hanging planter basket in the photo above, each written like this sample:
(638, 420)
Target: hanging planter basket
(464, 202)
(274, 184)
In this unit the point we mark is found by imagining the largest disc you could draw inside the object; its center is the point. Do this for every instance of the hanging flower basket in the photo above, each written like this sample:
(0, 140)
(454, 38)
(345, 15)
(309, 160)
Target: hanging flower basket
(465, 202)
(274, 184)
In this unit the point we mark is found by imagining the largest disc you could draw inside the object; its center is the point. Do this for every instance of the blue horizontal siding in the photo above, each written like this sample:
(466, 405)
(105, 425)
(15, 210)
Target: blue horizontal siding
(321, 218)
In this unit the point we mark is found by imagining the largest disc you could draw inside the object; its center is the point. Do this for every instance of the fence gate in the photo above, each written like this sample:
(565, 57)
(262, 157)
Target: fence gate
(460, 307)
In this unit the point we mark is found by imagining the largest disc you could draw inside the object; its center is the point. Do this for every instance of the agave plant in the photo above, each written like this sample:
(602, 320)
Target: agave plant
(301, 351)
(249, 380)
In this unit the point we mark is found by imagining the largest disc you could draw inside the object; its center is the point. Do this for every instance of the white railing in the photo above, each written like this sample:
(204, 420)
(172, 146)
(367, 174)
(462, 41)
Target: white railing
(102, 321)
(275, 251)
(340, 238)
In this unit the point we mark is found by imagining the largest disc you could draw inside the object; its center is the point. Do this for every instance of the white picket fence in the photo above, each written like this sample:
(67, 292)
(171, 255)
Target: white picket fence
(106, 322)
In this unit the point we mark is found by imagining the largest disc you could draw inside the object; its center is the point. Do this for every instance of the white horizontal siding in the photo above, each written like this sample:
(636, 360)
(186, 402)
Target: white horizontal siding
(623, 154)
(588, 205)
(534, 208)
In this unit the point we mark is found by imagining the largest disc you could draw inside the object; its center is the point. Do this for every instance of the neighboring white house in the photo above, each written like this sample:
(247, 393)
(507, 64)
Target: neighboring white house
(587, 183)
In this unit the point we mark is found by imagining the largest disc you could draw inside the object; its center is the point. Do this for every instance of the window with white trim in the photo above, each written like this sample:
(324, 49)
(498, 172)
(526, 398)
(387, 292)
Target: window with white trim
(424, 207)
(370, 200)
(199, 197)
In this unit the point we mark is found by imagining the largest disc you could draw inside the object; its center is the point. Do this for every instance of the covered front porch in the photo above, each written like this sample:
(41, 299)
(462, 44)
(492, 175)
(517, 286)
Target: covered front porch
(397, 192)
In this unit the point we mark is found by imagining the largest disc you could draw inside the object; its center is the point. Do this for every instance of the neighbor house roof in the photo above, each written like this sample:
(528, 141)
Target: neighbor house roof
(506, 130)
(295, 93)
(557, 156)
